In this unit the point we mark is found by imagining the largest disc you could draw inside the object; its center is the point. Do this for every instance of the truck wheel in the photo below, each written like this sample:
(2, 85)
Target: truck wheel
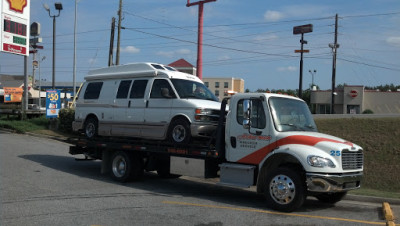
(91, 128)
(125, 167)
(285, 189)
(331, 197)
(179, 131)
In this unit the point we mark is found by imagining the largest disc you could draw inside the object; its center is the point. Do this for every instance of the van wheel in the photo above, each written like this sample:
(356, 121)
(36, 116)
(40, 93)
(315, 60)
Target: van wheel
(91, 128)
(179, 131)
(331, 198)
(285, 190)
(125, 167)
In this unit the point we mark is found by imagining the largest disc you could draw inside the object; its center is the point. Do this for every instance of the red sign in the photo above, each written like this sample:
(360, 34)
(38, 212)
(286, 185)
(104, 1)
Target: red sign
(14, 49)
(353, 93)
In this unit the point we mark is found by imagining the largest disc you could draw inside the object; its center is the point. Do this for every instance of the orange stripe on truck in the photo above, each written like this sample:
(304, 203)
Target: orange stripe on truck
(257, 156)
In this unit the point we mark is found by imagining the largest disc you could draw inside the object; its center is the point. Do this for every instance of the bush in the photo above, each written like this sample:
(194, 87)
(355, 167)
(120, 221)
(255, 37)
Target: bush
(66, 117)
(368, 111)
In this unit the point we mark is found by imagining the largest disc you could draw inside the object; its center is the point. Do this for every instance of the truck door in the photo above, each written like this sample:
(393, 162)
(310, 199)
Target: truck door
(244, 141)
(158, 110)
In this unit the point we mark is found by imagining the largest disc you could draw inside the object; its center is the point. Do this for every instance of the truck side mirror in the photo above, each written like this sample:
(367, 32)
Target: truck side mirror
(246, 114)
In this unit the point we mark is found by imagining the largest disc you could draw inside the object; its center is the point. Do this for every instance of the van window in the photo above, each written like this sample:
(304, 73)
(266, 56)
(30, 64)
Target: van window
(158, 85)
(123, 89)
(93, 90)
(138, 89)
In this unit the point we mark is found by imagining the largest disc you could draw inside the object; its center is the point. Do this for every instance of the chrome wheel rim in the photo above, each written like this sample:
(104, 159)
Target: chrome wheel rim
(90, 130)
(282, 189)
(119, 166)
(179, 133)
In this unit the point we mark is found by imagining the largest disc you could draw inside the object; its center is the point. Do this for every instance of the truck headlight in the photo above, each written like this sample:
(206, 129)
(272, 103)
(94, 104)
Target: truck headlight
(317, 161)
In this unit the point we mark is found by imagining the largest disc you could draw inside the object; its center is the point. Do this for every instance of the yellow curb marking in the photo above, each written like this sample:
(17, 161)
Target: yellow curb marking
(271, 212)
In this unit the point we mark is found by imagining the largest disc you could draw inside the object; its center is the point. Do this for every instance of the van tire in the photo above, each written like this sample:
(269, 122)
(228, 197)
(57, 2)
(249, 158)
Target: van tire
(91, 127)
(284, 189)
(179, 131)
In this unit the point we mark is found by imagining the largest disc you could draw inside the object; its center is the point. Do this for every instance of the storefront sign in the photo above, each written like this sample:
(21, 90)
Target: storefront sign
(13, 94)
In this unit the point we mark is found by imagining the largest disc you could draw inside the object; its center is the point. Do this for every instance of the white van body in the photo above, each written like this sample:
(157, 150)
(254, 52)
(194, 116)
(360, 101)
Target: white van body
(144, 100)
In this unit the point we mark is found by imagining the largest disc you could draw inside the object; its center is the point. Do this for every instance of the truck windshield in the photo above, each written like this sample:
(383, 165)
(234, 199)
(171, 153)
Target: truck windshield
(291, 115)
(192, 90)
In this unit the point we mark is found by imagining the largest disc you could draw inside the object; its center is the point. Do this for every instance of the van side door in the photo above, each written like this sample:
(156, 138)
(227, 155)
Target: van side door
(137, 105)
(158, 111)
(119, 123)
(243, 140)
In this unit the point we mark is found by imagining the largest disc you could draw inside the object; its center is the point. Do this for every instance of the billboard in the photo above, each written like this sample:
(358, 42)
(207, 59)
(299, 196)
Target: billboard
(53, 103)
(14, 26)
(13, 94)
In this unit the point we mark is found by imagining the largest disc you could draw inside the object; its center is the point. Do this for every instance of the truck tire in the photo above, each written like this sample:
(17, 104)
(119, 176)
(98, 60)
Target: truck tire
(91, 127)
(125, 167)
(179, 131)
(285, 189)
(331, 198)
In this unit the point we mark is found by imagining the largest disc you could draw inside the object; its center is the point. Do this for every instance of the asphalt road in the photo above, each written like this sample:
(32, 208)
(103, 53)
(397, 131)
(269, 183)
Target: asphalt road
(41, 184)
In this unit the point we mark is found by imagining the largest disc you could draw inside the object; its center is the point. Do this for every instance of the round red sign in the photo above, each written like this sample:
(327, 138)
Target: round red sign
(353, 93)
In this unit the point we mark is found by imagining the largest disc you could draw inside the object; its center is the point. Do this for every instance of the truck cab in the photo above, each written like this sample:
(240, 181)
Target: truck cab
(273, 139)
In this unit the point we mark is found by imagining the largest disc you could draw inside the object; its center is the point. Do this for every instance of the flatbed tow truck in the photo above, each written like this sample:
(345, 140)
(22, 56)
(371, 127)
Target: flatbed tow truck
(265, 140)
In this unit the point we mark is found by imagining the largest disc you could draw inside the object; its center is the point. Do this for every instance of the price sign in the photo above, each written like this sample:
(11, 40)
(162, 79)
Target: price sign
(53, 103)
(14, 27)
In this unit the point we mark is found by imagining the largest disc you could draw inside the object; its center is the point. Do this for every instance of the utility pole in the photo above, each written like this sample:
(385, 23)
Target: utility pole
(334, 47)
(199, 35)
(110, 54)
(119, 31)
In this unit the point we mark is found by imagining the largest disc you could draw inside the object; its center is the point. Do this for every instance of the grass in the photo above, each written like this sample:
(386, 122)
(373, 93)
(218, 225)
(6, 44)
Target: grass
(379, 137)
(19, 126)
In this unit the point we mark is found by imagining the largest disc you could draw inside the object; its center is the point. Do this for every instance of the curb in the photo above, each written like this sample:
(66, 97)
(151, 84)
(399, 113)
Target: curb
(371, 199)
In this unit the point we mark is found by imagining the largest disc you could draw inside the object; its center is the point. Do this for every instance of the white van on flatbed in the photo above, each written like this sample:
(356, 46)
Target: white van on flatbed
(145, 100)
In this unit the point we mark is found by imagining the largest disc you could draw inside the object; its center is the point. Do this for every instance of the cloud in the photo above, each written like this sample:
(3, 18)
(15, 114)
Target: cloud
(272, 16)
(266, 37)
(130, 49)
(175, 53)
(288, 68)
(92, 61)
(394, 41)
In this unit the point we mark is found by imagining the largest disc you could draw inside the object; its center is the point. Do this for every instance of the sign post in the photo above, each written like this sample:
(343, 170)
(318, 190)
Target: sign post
(301, 30)
(14, 35)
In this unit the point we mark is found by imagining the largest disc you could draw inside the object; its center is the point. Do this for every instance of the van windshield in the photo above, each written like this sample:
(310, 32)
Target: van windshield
(192, 90)
(291, 115)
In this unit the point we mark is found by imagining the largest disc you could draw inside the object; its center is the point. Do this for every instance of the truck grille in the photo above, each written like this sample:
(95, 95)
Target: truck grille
(352, 159)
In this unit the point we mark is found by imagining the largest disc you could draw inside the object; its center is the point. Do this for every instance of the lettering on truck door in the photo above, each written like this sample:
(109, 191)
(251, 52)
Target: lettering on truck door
(242, 141)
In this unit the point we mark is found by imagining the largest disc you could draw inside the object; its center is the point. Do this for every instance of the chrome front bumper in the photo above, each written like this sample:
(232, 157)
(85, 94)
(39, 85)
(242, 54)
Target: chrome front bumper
(333, 183)
(202, 129)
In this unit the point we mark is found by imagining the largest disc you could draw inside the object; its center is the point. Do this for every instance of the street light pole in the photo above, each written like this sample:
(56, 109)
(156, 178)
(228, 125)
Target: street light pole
(58, 7)
(312, 72)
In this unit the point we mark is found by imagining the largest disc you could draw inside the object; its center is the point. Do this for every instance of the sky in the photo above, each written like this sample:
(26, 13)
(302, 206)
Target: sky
(252, 40)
